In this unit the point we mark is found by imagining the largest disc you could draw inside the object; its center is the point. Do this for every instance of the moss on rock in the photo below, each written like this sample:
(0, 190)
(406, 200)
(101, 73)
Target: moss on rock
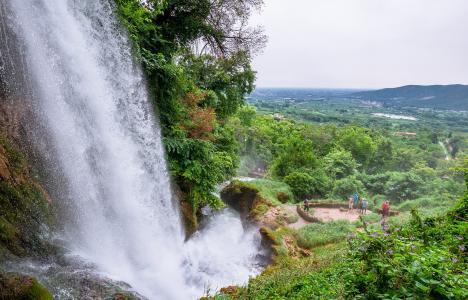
(20, 287)
(24, 205)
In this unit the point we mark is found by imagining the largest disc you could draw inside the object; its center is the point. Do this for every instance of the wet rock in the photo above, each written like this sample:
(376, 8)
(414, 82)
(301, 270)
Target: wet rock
(21, 287)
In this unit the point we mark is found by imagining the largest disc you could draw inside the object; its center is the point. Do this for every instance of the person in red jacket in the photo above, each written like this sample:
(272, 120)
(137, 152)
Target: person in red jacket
(385, 209)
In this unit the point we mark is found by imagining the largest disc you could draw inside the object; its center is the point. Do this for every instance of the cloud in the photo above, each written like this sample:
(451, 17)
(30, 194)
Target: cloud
(363, 43)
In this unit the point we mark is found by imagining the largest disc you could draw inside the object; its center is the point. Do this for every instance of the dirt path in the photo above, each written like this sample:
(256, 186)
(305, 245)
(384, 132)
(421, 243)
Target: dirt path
(325, 215)
(300, 222)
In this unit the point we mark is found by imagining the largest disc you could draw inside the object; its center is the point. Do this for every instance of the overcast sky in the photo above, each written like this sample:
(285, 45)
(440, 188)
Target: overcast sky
(363, 43)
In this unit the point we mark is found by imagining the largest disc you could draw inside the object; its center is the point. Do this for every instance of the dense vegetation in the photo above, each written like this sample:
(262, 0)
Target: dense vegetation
(422, 259)
(330, 161)
(196, 55)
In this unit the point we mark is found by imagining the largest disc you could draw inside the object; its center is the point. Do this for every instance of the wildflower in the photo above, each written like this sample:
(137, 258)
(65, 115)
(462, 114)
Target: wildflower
(413, 247)
(375, 234)
(389, 252)
(460, 238)
(453, 259)
(397, 229)
(366, 222)
(461, 248)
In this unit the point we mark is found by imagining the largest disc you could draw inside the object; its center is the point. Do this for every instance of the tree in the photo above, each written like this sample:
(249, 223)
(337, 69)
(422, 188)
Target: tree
(227, 80)
(297, 154)
(359, 143)
(339, 164)
(403, 186)
(306, 185)
(345, 187)
(247, 115)
(197, 58)
(383, 157)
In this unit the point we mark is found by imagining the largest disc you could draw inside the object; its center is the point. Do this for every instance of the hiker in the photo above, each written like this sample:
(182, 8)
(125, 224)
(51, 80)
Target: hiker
(385, 209)
(350, 203)
(363, 206)
(356, 200)
(306, 205)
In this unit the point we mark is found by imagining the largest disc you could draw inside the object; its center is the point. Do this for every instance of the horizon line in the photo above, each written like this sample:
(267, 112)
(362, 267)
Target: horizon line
(353, 88)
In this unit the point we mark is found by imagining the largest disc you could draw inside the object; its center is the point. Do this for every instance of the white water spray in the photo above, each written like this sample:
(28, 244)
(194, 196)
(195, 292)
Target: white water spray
(94, 102)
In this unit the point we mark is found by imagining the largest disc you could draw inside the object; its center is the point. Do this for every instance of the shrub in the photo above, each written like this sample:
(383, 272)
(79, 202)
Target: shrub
(347, 186)
(339, 164)
(306, 185)
(403, 186)
(425, 259)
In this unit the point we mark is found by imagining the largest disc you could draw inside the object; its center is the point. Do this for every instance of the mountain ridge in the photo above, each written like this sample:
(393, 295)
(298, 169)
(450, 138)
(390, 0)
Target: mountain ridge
(453, 96)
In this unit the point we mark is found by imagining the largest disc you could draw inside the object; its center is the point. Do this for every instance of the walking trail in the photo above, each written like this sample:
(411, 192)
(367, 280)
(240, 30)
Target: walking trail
(325, 215)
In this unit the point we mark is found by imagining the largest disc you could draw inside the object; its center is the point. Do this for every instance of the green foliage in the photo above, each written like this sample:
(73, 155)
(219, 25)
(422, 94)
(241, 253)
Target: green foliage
(271, 190)
(359, 143)
(195, 92)
(339, 164)
(306, 185)
(317, 234)
(247, 115)
(403, 186)
(423, 203)
(297, 154)
(425, 259)
(345, 187)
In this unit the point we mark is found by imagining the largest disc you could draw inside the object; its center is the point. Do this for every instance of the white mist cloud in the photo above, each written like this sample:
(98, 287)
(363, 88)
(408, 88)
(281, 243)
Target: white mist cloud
(363, 43)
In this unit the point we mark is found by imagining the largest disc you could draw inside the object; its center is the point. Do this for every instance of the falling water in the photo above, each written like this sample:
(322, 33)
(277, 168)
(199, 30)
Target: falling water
(93, 100)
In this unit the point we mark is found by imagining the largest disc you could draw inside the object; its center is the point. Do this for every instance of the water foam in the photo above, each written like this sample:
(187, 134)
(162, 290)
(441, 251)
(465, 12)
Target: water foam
(94, 102)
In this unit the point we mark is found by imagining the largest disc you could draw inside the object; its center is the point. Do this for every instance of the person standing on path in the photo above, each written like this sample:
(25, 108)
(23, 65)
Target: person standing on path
(306, 205)
(356, 200)
(363, 206)
(350, 203)
(385, 209)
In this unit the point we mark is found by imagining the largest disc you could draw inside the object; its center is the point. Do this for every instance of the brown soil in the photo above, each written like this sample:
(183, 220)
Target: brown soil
(325, 215)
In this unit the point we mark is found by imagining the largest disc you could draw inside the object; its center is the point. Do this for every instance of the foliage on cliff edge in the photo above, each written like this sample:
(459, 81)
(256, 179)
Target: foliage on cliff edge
(196, 55)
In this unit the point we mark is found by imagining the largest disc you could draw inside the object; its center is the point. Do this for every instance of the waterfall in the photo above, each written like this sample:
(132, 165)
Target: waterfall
(93, 100)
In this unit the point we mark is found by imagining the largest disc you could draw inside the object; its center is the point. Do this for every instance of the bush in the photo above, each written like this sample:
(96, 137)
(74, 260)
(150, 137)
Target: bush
(425, 259)
(306, 185)
(423, 203)
(347, 186)
(403, 186)
(375, 184)
(339, 164)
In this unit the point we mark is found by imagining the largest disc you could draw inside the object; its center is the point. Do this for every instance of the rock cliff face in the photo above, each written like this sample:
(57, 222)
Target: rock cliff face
(24, 203)
(25, 206)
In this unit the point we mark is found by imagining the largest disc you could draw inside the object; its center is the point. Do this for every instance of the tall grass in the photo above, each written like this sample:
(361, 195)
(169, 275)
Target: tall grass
(270, 189)
(318, 234)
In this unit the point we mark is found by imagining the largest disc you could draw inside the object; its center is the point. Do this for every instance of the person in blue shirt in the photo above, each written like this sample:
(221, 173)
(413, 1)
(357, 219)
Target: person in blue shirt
(356, 200)
(363, 206)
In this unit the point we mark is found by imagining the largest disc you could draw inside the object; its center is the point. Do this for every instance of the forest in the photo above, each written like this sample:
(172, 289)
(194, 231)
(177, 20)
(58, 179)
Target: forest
(138, 160)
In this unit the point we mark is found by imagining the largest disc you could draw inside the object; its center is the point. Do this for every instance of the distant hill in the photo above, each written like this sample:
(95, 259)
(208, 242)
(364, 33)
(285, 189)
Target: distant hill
(453, 97)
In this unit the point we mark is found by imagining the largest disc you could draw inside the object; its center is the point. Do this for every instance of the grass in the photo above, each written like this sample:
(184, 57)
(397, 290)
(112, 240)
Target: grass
(314, 277)
(318, 234)
(270, 190)
(423, 204)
